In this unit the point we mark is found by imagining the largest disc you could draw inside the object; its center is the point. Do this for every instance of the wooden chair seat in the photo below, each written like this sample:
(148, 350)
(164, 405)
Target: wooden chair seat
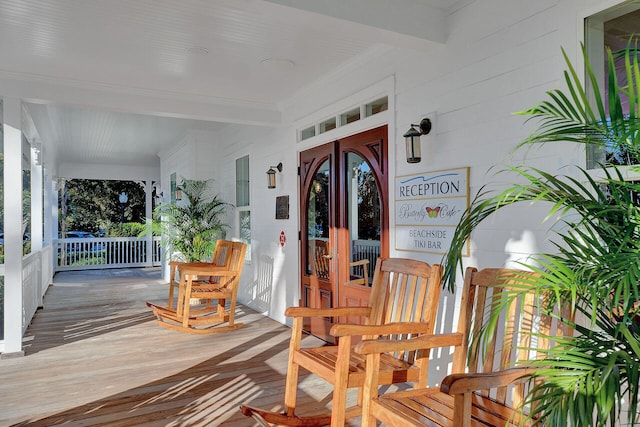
(433, 408)
(323, 362)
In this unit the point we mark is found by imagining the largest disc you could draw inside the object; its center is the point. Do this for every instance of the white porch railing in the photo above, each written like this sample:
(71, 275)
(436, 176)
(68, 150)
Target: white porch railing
(31, 287)
(107, 252)
(366, 249)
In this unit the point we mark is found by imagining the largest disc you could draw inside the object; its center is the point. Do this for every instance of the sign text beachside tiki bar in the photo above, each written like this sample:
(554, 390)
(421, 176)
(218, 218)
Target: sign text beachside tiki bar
(428, 208)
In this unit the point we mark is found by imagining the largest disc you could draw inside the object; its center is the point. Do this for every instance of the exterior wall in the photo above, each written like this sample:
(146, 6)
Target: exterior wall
(501, 56)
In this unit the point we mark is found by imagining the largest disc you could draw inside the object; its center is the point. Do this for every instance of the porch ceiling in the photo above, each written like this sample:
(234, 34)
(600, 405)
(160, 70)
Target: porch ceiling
(118, 81)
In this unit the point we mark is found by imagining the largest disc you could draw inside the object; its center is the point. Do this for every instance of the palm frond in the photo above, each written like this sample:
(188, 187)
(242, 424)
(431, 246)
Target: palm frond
(589, 376)
(192, 226)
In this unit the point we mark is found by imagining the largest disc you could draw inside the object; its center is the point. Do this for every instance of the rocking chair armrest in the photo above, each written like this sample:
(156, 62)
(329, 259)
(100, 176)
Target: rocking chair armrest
(200, 265)
(327, 312)
(412, 344)
(467, 383)
(207, 271)
(398, 328)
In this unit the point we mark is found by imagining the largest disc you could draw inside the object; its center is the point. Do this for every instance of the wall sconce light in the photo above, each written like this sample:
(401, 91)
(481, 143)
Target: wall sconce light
(178, 194)
(412, 139)
(271, 175)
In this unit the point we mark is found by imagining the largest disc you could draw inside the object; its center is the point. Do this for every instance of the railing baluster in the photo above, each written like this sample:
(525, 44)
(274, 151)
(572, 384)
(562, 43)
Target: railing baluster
(114, 252)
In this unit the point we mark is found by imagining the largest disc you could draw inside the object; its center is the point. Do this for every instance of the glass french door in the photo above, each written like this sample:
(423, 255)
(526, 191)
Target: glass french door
(344, 218)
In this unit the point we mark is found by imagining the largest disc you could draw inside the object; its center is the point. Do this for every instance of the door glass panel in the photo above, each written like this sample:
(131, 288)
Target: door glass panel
(318, 251)
(363, 210)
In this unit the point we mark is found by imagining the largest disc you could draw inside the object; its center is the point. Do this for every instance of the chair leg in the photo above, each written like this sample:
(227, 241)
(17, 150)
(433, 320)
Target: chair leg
(186, 301)
(342, 378)
(220, 309)
(291, 386)
(232, 311)
(370, 389)
(172, 285)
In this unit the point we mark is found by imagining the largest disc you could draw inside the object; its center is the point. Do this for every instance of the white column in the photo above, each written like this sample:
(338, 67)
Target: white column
(12, 228)
(50, 208)
(37, 218)
(148, 195)
(36, 204)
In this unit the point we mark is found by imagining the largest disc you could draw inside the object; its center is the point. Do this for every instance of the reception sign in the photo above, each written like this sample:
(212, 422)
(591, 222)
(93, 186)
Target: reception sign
(428, 206)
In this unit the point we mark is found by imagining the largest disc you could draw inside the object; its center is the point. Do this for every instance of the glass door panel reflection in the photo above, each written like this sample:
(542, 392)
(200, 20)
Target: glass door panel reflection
(318, 248)
(363, 200)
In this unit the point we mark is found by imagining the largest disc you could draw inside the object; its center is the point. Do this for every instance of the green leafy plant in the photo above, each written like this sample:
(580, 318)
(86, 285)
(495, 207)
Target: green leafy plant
(191, 226)
(591, 375)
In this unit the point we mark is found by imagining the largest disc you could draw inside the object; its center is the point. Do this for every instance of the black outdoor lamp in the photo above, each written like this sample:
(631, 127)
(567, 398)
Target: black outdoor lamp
(412, 139)
(271, 175)
(123, 199)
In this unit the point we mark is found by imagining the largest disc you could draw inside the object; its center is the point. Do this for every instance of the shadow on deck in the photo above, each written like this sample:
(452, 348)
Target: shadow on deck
(95, 356)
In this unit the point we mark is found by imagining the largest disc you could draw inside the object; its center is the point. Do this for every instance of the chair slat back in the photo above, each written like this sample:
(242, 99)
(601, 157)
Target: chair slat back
(221, 255)
(405, 290)
(238, 252)
(235, 261)
(515, 336)
(320, 259)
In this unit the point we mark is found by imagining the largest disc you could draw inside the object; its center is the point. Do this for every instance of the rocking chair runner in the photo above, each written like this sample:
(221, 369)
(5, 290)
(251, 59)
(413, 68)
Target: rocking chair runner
(487, 392)
(222, 286)
(405, 292)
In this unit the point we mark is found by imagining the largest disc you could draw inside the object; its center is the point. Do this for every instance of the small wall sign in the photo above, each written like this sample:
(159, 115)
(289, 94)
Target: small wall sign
(428, 206)
(282, 207)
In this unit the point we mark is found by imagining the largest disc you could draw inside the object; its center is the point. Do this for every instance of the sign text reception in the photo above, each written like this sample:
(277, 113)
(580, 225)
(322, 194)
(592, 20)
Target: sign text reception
(428, 207)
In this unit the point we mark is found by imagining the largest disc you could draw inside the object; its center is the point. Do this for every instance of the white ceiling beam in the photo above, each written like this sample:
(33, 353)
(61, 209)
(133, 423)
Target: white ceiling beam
(37, 89)
(108, 172)
(413, 18)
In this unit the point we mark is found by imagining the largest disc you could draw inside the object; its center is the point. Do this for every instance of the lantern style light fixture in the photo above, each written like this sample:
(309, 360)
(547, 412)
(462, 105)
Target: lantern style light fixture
(123, 199)
(412, 139)
(271, 175)
(178, 194)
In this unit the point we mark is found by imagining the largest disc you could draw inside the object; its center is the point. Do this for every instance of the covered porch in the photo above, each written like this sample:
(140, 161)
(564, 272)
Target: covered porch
(97, 357)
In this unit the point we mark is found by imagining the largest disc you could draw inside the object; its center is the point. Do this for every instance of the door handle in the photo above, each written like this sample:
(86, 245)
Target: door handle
(327, 256)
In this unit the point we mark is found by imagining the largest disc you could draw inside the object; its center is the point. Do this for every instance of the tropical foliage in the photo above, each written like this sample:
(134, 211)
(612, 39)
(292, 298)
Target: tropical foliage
(191, 226)
(590, 375)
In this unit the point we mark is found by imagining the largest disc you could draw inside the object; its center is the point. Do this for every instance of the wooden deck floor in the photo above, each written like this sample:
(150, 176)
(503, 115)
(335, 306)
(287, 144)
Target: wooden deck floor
(95, 356)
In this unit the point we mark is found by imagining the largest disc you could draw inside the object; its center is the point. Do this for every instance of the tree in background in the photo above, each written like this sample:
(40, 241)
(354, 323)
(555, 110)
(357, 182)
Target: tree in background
(93, 206)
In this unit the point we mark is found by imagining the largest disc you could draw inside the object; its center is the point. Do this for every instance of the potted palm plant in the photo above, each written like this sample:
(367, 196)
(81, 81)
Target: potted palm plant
(592, 377)
(191, 227)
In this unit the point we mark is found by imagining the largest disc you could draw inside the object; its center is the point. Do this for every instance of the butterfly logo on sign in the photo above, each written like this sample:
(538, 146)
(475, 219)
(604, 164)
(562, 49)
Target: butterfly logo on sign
(433, 212)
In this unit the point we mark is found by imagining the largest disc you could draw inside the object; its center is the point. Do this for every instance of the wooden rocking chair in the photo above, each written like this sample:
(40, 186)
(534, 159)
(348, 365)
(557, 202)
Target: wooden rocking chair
(485, 393)
(222, 285)
(403, 303)
(221, 258)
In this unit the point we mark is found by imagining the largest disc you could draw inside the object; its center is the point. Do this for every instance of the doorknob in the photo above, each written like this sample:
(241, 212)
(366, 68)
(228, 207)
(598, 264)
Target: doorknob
(327, 256)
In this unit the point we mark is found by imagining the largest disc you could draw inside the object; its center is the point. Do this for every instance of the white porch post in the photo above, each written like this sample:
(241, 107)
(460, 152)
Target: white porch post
(50, 207)
(36, 205)
(12, 228)
(148, 196)
(37, 219)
